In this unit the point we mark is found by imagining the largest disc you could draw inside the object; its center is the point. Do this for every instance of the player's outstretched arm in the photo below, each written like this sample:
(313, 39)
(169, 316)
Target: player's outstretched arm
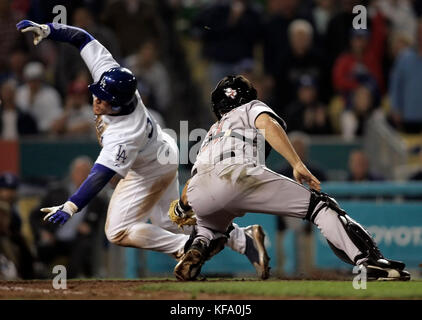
(56, 31)
(97, 58)
(277, 138)
(93, 184)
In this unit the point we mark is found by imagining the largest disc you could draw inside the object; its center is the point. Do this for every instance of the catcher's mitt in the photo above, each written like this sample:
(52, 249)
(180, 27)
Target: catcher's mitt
(181, 217)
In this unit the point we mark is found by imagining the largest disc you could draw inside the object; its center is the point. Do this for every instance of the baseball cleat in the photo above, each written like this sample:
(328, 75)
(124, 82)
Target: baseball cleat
(383, 269)
(256, 252)
(190, 265)
(396, 264)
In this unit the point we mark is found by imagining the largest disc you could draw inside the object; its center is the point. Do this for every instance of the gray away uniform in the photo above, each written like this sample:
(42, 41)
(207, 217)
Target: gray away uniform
(229, 181)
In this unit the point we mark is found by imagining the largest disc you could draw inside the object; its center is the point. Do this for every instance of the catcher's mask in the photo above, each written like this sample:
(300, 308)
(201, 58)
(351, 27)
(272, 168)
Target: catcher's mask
(231, 92)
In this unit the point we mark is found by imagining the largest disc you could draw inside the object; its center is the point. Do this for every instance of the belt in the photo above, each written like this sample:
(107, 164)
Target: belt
(220, 158)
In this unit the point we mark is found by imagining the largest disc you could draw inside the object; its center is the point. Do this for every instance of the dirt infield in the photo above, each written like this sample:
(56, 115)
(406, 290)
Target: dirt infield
(212, 289)
(101, 290)
(77, 289)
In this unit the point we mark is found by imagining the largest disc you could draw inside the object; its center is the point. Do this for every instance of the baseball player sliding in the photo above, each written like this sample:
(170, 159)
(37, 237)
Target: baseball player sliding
(228, 181)
(131, 143)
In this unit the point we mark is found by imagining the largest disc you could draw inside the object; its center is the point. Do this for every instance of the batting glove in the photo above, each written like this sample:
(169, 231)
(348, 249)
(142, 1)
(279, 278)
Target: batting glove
(41, 31)
(61, 213)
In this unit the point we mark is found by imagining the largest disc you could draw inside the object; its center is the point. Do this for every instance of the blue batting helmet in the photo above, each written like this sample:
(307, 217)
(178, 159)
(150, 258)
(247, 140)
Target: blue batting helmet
(117, 86)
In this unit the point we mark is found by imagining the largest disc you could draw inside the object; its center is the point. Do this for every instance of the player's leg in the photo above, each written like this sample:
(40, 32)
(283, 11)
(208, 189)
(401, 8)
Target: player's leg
(326, 213)
(268, 192)
(248, 241)
(348, 239)
(129, 211)
(159, 212)
(212, 231)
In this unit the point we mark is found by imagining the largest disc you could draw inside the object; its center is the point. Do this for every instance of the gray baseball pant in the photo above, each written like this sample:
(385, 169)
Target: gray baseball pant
(220, 193)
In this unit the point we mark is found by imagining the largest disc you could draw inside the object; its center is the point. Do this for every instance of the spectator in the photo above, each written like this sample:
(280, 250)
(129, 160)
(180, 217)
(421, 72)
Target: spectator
(406, 88)
(17, 60)
(263, 84)
(359, 168)
(8, 252)
(37, 98)
(398, 43)
(77, 119)
(363, 62)
(229, 31)
(280, 13)
(84, 19)
(337, 38)
(134, 22)
(151, 73)
(301, 59)
(401, 15)
(9, 184)
(70, 62)
(8, 193)
(14, 122)
(360, 109)
(8, 34)
(76, 239)
(321, 15)
(307, 113)
(417, 6)
(301, 142)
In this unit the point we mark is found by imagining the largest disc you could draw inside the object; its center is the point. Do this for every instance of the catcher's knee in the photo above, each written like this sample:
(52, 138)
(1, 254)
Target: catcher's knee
(320, 200)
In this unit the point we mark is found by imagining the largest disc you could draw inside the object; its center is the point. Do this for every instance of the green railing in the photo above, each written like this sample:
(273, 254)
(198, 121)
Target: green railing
(373, 189)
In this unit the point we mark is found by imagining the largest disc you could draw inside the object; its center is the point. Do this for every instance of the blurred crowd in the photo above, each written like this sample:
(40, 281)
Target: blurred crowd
(78, 244)
(303, 56)
(322, 75)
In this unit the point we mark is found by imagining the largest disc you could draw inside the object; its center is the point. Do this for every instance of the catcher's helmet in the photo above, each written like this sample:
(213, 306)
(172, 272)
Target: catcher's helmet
(231, 92)
(117, 86)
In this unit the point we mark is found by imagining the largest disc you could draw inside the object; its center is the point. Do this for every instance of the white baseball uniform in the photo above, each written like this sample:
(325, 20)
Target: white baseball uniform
(131, 145)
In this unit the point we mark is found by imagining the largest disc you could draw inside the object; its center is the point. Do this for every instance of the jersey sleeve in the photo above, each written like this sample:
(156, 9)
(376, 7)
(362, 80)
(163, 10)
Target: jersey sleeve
(98, 59)
(118, 155)
(259, 107)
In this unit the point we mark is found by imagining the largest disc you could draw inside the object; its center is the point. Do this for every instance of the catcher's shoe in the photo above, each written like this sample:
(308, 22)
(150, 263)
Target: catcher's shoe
(190, 265)
(256, 252)
(383, 269)
(396, 264)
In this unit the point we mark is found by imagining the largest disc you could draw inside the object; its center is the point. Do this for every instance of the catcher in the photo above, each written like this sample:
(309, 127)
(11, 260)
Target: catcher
(228, 181)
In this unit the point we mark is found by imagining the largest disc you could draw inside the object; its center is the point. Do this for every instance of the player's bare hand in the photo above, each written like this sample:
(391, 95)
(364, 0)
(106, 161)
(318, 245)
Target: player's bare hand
(40, 31)
(303, 175)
